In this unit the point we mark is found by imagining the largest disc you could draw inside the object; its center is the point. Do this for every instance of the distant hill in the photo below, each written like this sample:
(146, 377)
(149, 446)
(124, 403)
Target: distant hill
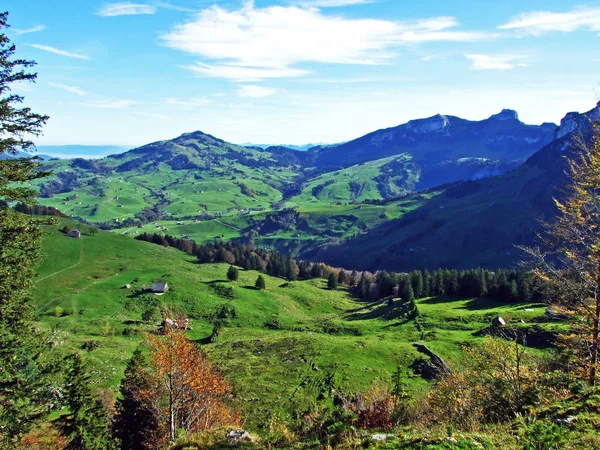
(26, 155)
(300, 148)
(473, 223)
(81, 151)
(459, 195)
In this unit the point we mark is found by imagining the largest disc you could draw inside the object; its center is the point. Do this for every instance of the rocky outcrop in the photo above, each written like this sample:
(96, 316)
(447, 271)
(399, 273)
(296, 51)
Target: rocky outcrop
(575, 121)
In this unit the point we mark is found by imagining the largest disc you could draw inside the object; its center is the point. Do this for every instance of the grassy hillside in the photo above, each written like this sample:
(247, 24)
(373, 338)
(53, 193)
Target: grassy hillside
(278, 348)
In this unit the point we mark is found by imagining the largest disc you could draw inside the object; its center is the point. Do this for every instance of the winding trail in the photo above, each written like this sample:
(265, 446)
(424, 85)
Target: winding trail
(81, 258)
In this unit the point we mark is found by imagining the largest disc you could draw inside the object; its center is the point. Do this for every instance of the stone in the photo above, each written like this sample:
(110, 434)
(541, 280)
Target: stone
(238, 436)
(379, 437)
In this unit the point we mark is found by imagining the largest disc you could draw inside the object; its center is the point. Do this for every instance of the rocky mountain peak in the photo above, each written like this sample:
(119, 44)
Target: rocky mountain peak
(432, 124)
(574, 121)
(506, 114)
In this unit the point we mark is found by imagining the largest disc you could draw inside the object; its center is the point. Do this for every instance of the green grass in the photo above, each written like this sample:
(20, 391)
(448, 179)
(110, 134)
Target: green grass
(317, 331)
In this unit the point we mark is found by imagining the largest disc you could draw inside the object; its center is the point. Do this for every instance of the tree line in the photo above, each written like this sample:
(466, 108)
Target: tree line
(501, 285)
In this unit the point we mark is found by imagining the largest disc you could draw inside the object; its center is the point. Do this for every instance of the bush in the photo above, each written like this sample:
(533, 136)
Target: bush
(544, 435)
(89, 346)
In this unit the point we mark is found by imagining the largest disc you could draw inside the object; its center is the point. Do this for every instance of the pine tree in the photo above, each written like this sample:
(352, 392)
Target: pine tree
(86, 425)
(260, 283)
(342, 277)
(416, 279)
(232, 273)
(23, 378)
(353, 279)
(332, 281)
(135, 423)
(292, 271)
(406, 291)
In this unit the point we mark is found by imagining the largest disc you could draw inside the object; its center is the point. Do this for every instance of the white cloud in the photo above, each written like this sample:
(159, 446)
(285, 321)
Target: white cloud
(73, 89)
(57, 51)
(252, 91)
(111, 104)
(126, 9)
(251, 43)
(540, 22)
(244, 74)
(188, 102)
(333, 3)
(496, 62)
(35, 29)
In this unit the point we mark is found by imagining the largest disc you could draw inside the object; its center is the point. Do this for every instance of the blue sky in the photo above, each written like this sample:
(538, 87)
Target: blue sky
(298, 71)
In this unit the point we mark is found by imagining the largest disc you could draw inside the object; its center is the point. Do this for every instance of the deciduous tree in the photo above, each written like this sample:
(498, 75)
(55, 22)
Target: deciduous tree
(188, 392)
(568, 261)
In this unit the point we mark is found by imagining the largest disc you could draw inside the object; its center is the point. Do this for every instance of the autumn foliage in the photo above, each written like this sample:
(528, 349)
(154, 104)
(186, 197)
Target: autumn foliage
(186, 391)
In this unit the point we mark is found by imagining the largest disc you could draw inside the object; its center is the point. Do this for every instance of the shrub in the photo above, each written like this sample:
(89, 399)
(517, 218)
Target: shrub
(260, 283)
(544, 435)
(89, 346)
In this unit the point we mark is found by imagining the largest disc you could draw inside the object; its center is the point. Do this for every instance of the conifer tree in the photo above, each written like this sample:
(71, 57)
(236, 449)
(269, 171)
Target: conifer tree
(260, 283)
(135, 423)
(86, 425)
(332, 282)
(573, 283)
(416, 279)
(232, 273)
(23, 378)
(406, 291)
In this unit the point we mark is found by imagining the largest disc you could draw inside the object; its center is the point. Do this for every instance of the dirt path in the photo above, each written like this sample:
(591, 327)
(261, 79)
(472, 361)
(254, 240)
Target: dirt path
(81, 258)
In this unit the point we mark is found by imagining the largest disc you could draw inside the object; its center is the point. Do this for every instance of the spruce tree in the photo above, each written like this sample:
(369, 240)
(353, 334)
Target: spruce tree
(135, 422)
(416, 279)
(85, 426)
(232, 274)
(24, 386)
(260, 283)
(332, 282)
(406, 291)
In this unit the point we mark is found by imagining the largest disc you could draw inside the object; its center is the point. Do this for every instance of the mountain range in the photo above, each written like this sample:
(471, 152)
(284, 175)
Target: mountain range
(440, 191)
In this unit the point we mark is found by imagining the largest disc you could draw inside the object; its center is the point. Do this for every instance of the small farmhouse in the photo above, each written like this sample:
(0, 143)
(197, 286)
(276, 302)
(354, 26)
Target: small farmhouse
(74, 233)
(159, 287)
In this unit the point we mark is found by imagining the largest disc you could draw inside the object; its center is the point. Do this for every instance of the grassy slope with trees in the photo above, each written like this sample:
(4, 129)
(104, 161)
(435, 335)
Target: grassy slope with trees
(277, 345)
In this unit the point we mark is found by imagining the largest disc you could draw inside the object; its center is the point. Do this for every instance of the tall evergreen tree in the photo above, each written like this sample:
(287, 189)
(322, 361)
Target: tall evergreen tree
(135, 422)
(416, 279)
(260, 283)
(23, 381)
(86, 425)
(232, 273)
(332, 281)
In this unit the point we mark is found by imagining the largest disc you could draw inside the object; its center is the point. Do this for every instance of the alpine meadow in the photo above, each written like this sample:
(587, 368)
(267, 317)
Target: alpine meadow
(432, 284)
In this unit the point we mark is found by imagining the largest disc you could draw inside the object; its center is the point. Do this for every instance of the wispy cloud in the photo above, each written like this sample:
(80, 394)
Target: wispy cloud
(57, 51)
(188, 102)
(111, 103)
(250, 44)
(73, 89)
(126, 9)
(540, 22)
(496, 62)
(35, 29)
(252, 91)
(332, 3)
(244, 74)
